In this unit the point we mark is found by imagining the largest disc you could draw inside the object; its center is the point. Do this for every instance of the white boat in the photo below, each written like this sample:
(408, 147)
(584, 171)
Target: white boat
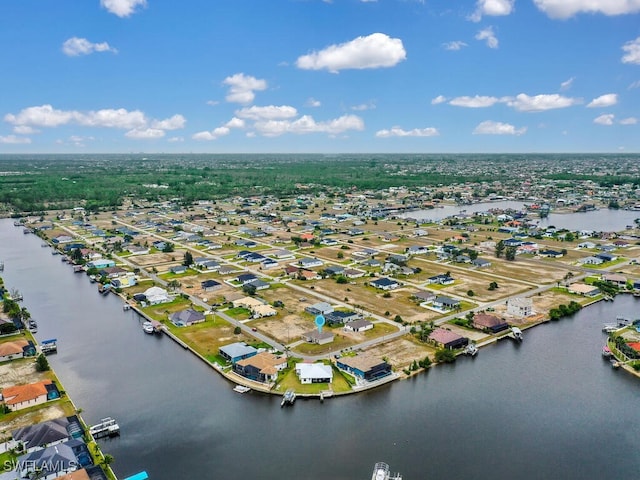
(471, 350)
(381, 471)
(148, 327)
(241, 389)
(606, 352)
(288, 398)
(610, 327)
(517, 333)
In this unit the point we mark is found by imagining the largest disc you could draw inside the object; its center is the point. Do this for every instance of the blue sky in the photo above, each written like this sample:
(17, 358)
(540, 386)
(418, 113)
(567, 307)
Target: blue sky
(250, 76)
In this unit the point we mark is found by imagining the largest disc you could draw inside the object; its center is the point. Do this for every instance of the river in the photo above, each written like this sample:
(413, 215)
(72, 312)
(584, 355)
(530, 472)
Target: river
(548, 408)
(602, 220)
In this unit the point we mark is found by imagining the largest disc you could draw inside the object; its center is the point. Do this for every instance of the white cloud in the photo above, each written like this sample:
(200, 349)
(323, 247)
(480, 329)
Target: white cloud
(24, 130)
(173, 123)
(374, 51)
(112, 118)
(605, 119)
(633, 85)
(632, 49)
(175, 139)
(270, 112)
(628, 121)
(488, 35)
(212, 135)
(242, 88)
(455, 45)
(41, 116)
(540, 103)
(493, 8)
(478, 101)
(75, 46)
(489, 127)
(235, 122)
(122, 8)
(604, 101)
(566, 85)
(145, 133)
(13, 140)
(135, 121)
(567, 8)
(438, 100)
(306, 124)
(364, 106)
(416, 132)
(312, 102)
(212, 103)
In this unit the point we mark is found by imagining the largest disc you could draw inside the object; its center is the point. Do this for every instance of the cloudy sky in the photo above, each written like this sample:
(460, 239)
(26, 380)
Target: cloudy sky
(332, 76)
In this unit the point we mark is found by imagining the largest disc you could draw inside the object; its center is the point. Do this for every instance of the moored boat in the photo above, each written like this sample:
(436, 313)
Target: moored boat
(606, 352)
(381, 471)
(517, 333)
(148, 327)
(288, 398)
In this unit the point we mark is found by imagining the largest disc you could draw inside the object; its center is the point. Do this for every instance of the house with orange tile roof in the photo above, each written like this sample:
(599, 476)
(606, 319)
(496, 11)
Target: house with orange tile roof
(16, 349)
(263, 367)
(23, 396)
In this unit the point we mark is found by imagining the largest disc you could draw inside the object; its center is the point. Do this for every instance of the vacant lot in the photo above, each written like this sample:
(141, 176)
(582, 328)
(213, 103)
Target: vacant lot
(402, 352)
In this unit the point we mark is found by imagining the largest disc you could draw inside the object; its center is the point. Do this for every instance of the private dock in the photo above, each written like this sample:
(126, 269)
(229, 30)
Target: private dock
(49, 346)
(106, 428)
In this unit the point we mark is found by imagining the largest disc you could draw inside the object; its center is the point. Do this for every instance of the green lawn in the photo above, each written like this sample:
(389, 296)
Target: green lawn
(290, 380)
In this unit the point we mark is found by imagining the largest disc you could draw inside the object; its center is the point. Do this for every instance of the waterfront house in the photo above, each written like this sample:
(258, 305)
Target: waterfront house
(319, 338)
(234, 352)
(490, 323)
(46, 434)
(320, 308)
(385, 283)
(187, 317)
(357, 326)
(314, 373)
(520, 307)
(16, 349)
(615, 278)
(54, 461)
(583, 289)
(113, 272)
(156, 295)
(23, 396)
(262, 367)
(364, 366)
(101, 264)
(444, 338)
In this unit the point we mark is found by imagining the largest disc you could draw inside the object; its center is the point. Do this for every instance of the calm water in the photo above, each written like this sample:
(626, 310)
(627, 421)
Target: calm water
(550, 408)
(603, 220)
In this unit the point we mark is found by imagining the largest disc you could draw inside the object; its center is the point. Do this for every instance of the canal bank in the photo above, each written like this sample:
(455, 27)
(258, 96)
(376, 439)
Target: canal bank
(549, 407)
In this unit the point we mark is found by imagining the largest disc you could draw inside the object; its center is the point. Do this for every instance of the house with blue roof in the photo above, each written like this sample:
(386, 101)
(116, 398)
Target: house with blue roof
(234, 352)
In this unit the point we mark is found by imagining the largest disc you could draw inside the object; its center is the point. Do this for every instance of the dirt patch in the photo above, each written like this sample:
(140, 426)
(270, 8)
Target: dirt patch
(19, 372)
(43, 414)
(402, 352)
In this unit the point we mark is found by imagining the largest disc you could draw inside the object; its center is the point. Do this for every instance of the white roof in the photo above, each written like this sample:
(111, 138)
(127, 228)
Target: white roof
(313, 370)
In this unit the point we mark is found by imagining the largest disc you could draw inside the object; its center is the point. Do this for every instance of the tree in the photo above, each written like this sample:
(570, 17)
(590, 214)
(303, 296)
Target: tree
(173, 285)
(249, 289)
(42, 364)
(510, 253)
(500, 248)
(237, 330)
(493, 285)
(470, 293)
(168, 247)
(340, 255)
(188, 259)
(342, 279)
(76, 256)
(444, 355)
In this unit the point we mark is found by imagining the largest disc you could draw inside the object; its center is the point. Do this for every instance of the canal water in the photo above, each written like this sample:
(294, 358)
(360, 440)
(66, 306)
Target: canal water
(548, 408)
(602, 220)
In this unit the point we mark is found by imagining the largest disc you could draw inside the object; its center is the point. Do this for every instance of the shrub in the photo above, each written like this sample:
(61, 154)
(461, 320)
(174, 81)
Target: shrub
(237, 330)
(444, 355)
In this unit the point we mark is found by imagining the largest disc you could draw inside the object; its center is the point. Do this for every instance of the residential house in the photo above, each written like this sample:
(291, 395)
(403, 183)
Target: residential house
(424, 297)
(481, 263)
(607, 257)
(137, 249)
(23, 396)
(245, 278)
(550, 253)
(210, 285)
(101, 264)
(340, 317)
(178, 269)
(16, 349)
(441, 279)
(352, 273)
(307, 262)
(317, 337)
(487, 322)
(258, 284)
(358, 326)
(314, 373)
(187, 317)
(364, 366)
(234, 352)
(447, 339)
(417, 250)
(205, 263)
(113, 272)
(520, 307)
(583, 289)
(615, 278)
(320, 308)
(385, 283)
(588, 245)
(54, 461)
(49, 433)
(442, 302)
(155, 296)
(334, 270)
(592, 260)
(262, 367)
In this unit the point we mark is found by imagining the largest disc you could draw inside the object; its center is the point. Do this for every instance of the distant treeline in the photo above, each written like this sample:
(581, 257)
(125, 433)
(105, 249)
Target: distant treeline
(32, 183)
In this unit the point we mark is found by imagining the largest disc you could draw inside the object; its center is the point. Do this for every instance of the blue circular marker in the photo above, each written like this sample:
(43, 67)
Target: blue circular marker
(320, 322)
